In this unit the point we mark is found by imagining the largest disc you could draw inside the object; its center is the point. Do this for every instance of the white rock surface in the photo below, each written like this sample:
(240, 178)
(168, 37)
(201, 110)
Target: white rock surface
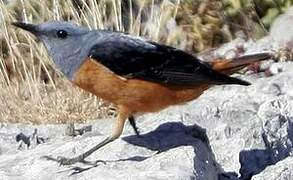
(167, 151)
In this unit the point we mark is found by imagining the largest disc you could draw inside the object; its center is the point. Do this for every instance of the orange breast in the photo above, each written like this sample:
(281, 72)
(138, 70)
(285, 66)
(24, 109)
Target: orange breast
(137, 95)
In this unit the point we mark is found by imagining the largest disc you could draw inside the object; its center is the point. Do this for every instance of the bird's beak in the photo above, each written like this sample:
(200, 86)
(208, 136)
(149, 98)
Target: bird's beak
(25, 26)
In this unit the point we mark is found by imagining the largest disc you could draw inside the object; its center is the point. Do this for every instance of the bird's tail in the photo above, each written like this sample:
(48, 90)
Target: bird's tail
(226, 67)
(230, 66)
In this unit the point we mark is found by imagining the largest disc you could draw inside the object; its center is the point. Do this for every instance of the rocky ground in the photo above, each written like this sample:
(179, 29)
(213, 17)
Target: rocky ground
(230, 132)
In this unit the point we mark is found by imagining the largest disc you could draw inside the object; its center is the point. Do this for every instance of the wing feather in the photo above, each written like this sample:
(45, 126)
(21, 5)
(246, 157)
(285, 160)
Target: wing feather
(136, 58)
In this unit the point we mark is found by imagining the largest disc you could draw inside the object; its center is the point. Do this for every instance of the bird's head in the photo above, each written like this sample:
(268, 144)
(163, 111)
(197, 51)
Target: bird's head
(66, 42)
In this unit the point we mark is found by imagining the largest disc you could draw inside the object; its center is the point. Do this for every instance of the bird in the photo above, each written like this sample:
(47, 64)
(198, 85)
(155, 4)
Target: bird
(135, 74)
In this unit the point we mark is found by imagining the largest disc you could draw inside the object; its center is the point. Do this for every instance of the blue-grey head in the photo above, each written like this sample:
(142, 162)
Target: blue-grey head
(67, 43)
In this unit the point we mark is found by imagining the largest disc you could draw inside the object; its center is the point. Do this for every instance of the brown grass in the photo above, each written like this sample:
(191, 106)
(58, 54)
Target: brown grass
(31, 91)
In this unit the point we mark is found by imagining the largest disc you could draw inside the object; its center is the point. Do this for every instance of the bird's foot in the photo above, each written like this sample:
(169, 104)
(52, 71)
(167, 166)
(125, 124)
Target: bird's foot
(137, 132)
(70, 161)
(62, 160)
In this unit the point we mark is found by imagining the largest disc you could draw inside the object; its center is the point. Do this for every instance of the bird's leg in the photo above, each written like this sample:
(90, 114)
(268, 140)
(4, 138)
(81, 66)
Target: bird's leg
(133, 125)
(119, 125)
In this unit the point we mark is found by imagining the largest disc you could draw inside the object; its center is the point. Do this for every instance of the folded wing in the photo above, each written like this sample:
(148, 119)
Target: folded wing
(131, 57)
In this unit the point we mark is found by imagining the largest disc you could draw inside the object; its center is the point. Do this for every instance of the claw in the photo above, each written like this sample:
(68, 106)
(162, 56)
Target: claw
(64, 161)
(61, 160)
(69, 161)
(77, 170)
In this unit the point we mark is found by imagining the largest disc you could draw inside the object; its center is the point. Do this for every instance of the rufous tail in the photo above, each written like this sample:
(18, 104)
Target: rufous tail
(230, 66)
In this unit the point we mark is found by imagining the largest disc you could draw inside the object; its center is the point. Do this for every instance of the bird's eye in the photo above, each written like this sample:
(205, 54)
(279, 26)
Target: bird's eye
(61, 34)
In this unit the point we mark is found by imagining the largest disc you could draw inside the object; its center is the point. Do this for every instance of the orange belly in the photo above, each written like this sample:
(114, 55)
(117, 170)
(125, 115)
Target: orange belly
(137, 95)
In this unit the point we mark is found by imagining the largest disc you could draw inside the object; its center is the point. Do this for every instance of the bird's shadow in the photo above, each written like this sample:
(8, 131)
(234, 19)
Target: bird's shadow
(168, 136)
(175, 134)
(165, 137)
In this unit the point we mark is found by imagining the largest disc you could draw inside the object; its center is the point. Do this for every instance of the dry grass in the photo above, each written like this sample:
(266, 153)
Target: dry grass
(31, 91)
(41, 103)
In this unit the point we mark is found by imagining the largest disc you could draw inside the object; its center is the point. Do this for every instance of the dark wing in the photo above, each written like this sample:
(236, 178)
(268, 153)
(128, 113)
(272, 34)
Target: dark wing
(135, 58)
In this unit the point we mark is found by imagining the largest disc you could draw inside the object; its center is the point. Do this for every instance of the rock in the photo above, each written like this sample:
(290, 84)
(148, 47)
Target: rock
(280, 171)
(170, 150)
(281, 31)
